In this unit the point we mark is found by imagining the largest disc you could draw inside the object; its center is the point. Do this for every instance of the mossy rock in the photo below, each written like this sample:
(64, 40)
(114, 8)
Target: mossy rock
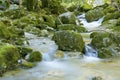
(55, 7)
(93, 34)
(13, 14)
(101, 39)
(69, 41)
(94, 14)
(106, 44)
(112, 24)
(26, 64)
(49, 20)
(109, 9)
(105, 53)
(114, 15)
(71, 27)
(66, 18)
(9, 56)
(35, 56)
(72, 8)
(4, 32)
(6, 21)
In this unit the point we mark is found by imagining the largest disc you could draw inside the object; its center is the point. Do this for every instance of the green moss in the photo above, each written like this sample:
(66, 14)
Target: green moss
(10, 55)
(105, 53)
(26, 64)
(13, 14)
(72, 8)
(35, 56)
(109, 9)
(67, 18)
(4, 33)
(106, 43)
(49, 20)
(94, 14)
(101, 40)
(93, 34)
(71, 27)
(114, 15)
(69, 41)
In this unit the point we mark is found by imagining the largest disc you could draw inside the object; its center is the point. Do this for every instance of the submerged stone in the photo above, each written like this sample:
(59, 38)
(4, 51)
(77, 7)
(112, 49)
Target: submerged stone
(59, 54)
(69, 41)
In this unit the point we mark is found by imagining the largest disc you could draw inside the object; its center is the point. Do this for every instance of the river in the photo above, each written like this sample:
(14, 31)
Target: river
(68, 68)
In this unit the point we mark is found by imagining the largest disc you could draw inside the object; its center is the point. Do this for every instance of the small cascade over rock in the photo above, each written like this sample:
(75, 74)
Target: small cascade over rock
(89, 25)
(90, 52)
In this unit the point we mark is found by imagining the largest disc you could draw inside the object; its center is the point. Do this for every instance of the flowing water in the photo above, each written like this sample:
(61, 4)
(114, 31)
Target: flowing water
(73, 68)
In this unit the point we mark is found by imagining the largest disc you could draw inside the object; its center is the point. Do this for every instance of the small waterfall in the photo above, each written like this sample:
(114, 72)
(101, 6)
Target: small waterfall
(91, 25)
(90, 52)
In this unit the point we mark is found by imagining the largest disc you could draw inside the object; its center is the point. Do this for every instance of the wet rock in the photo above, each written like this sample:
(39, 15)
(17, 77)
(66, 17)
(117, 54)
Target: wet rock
(69, 41)
(26, 64)
(94, 14)
(59, 54)
(71, 27)
(35, 56)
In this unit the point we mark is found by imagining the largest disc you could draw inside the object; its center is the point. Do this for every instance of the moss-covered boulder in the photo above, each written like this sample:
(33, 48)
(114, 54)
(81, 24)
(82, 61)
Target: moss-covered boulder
(35, 56)
(105, 53)
(66, 18)
(13, 14)
(94, 14)
(109, 9)
(114, 15)
(100, 40)
(69, 41)
(112, 24)
(4, 32)
(107, 44)
(71, 27)
(9, 56)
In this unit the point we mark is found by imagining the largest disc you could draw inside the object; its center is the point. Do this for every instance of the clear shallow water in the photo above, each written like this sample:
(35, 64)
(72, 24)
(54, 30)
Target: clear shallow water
(72, 68)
